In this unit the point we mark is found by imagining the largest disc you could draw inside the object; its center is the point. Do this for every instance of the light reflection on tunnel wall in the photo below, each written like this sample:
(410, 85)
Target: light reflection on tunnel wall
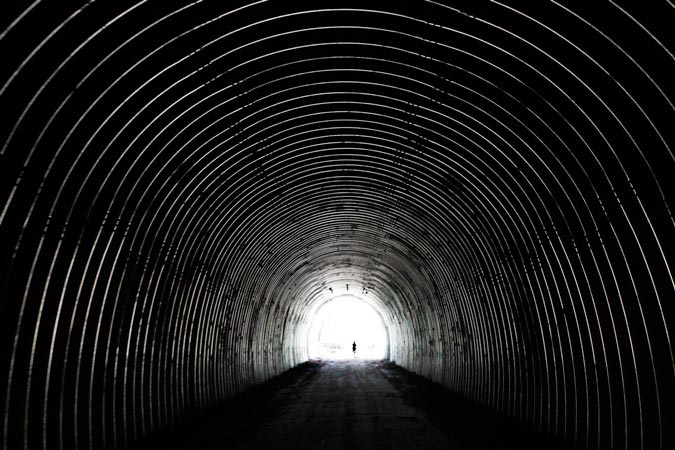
(182, 182)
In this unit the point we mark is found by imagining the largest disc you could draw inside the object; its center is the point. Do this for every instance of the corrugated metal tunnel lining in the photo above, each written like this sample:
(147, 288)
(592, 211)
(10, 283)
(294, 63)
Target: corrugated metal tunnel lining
(184, 183)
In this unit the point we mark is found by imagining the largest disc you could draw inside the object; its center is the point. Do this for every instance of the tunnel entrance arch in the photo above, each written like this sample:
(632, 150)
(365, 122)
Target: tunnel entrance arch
(340, 322)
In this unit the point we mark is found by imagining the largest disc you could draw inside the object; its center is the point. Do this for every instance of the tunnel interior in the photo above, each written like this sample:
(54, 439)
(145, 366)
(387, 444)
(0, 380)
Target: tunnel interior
(184, 184)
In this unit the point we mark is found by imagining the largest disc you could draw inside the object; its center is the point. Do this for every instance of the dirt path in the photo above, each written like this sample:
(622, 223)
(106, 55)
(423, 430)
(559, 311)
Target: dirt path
(347, 405)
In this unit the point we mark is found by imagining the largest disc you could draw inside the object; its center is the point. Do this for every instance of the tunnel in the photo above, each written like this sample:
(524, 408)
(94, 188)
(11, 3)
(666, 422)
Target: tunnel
(184, 184)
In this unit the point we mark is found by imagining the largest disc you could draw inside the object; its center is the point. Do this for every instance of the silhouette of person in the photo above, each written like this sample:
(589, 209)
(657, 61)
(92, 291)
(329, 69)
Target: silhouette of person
(354, 348)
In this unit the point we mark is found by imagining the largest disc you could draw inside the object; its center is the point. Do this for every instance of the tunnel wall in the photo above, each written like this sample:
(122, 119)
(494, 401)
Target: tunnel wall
(183, 182)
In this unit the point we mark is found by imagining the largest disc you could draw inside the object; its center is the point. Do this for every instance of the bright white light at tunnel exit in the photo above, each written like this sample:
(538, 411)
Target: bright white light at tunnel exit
(341, 322)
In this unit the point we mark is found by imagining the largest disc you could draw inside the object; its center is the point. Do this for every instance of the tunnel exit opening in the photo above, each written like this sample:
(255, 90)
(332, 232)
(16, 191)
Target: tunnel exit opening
(343, 321)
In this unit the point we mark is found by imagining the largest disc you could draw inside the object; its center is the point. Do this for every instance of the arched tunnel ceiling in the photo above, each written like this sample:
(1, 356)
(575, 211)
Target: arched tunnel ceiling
(183, 183)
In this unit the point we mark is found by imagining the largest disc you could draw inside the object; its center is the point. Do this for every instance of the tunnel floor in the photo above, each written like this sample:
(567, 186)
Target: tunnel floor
(347, 405)
(352, 404)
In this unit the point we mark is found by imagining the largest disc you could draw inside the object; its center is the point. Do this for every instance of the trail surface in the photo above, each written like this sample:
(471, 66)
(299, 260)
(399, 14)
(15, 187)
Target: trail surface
(346, 405)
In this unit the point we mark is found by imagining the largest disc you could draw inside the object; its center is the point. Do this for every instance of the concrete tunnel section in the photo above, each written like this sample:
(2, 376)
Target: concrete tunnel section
(184, 183)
